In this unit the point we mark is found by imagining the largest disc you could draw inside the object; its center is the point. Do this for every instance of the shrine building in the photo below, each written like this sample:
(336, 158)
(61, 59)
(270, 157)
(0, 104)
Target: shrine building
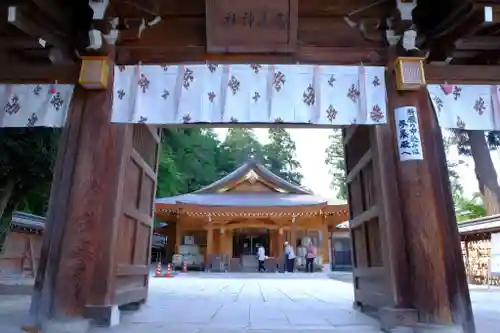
(251, 206)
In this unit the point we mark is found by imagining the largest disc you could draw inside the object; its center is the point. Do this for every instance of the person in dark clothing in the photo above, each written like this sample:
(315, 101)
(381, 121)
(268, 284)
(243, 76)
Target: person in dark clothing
(310, 256)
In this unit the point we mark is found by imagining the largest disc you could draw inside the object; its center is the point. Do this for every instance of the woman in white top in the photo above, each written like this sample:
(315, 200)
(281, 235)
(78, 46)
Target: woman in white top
(290, 257)
(261, 256)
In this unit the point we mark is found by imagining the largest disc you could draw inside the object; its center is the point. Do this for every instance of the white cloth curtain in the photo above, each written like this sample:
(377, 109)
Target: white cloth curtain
(30, 105)
(323, 95)
(470, 107)
(300, 94)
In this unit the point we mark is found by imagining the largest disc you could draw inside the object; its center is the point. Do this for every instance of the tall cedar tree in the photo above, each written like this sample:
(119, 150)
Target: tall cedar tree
(280, 155)
(335, 160)
(239, 145)
(27, 156)
(478, 144)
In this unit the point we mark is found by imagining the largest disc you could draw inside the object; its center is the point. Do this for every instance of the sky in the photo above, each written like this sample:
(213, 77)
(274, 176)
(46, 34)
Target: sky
(311, 145)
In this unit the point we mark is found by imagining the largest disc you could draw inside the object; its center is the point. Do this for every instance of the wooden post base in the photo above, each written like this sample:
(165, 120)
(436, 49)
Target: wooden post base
(134, 306)
(107, 316)
(66, 325)
(429, 328)
(392, 318)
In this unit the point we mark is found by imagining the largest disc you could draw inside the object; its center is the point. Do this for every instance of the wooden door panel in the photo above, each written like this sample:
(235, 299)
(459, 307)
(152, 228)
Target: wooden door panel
(136, 216)
(371, 284)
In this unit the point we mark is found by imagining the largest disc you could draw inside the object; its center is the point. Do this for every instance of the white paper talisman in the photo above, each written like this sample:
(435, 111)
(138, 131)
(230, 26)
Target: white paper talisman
(495, 255)
(408, 132)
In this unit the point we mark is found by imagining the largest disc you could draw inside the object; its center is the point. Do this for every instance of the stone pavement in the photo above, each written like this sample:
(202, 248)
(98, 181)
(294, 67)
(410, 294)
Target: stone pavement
(250, 302)
(13, 311)
(485, 304)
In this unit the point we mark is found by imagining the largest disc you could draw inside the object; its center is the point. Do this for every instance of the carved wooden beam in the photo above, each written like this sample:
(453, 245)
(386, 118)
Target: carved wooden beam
(24, 72)
(304, 54)
(462, 74)
(481, 43)
(182, 31)
(55, 14)
(18, 18)
(480, 18)
(18, 43)
(191, 8)
(329, 40)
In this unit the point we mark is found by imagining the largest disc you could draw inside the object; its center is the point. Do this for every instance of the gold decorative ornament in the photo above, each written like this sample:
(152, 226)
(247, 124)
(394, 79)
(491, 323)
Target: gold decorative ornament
(410, 73)
(94, 73)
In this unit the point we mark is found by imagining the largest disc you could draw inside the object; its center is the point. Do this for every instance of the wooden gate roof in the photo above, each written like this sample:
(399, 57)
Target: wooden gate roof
(457, 32)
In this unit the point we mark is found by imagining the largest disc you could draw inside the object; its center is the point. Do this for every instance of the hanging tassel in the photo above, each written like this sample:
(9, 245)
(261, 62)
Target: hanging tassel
(447, 88)
(362, 114)
(52, 89)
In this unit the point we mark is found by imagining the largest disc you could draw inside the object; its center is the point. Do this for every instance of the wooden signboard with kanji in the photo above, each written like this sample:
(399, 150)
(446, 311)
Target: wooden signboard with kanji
(255, 26)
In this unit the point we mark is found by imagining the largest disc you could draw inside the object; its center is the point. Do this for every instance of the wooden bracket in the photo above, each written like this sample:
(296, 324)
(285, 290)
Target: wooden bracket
(20, 20)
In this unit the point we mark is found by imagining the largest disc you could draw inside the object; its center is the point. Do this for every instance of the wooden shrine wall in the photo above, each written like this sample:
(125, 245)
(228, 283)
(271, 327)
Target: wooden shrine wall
(20, 254)
(136, 217)
(477, 255)
(370, 266)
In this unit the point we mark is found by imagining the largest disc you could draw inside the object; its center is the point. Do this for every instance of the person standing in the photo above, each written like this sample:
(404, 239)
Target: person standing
(261, 256)
(290, 257)
(310, 256)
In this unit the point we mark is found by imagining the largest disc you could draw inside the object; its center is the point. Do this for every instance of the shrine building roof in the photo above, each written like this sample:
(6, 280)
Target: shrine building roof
(250, 185)
(27, 222)
(487, 224)
(245, 199)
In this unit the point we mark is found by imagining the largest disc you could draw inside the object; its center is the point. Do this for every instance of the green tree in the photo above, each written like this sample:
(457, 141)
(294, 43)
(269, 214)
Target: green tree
(456, 187)
(239, 145)
(335, 160)
(188, 160)
(27, 157)
(193, 158)
(478, 145)
(170, 181)
(280, 155)
(467, 209)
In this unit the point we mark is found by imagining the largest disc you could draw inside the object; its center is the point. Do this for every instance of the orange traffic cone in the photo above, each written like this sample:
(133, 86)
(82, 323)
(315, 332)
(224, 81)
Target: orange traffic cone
(184, 267)
(158, 269)
(168, 274)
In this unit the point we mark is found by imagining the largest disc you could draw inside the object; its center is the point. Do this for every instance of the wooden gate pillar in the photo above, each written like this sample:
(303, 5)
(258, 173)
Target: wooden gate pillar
(99, 228)
(325, 246)
(178, 235)
(280, 240)
(436, 270)
(272, 242)
(293, 233)
(210, 245)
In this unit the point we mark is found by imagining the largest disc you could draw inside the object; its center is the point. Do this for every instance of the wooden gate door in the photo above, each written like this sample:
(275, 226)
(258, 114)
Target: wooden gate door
(377, 255)
(135, 219)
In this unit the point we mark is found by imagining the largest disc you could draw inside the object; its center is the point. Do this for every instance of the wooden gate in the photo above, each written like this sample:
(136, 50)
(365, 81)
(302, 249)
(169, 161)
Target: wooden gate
(375, 220)
(135, 220)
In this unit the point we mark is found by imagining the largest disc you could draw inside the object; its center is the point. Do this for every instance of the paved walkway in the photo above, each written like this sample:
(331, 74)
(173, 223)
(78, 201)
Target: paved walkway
(247, 303)
(250, 303)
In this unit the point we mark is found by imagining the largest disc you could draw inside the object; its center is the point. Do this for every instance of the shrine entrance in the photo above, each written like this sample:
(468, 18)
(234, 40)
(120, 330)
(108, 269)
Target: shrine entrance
(408, 266)
(246, 241)
(391, 277)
